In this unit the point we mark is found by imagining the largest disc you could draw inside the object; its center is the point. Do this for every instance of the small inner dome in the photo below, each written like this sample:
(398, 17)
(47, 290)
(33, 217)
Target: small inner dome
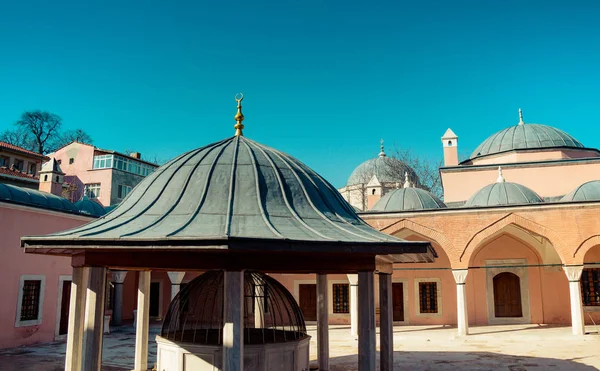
(271, 315)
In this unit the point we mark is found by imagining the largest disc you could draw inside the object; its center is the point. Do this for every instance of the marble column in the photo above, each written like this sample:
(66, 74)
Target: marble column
(462, 317)
(118, 277)
(176, 278)
(94, 319)
(322, 322)
(233, 321)
(142, 322)
(366, 322)
(577, 321)
(353, 280)
(73, 361)
(386, 325)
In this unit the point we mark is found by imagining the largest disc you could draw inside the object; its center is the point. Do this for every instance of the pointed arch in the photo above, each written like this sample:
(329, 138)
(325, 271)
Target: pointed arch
(584, 247)
(512, 219)
(430, 233)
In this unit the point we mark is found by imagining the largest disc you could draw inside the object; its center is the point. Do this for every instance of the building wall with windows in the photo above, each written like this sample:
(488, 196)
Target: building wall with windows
(19, 166)
(106, 175)
(31, 284)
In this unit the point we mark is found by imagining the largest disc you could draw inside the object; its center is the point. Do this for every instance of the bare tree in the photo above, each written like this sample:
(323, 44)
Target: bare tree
(18, 137)
(77, 135)
(425, 169)
(42, 127)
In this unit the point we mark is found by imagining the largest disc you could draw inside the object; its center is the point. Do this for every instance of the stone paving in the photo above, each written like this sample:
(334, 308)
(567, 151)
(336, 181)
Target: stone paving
(417, 348)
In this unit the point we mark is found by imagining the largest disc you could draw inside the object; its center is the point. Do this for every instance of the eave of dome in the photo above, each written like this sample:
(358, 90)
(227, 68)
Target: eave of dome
(525, 136)
(589, 191)
(405, 199)
(235, 188)
(31, 197)
(503, 193)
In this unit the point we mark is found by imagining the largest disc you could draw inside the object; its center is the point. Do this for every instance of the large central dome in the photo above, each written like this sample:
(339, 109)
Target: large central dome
(525, 136)
(386, 169)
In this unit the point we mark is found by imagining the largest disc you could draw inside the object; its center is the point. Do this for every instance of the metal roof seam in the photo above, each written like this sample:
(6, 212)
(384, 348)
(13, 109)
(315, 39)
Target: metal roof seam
(232, 178)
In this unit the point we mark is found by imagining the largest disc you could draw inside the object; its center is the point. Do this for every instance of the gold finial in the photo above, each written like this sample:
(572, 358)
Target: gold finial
(521, 122)
(382, 152)
(239, 117)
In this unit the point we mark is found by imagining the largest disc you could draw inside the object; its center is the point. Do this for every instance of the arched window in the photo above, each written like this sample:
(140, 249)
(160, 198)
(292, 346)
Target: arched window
(46, 178)
(57, 179)
(373, 192)
(449, 143)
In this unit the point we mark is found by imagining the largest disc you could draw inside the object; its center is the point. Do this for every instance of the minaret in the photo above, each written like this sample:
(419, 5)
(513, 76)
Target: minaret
(51, 178)
(450, 143)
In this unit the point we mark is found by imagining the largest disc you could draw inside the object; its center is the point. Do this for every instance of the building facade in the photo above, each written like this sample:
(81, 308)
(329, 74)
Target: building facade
(19, 166)
(104, 175)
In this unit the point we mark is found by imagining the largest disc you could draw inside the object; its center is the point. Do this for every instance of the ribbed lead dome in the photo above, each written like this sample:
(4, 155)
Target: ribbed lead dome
(589, 191)
(409, 198)
(232, 188)
(525, 136)
(503, 193)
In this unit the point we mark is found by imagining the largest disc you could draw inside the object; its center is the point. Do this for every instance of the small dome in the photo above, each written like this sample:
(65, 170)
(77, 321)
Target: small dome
(31, 197)
(589, 191)
(387, 170)
(271, 315)
(90, 207)
(404, 199)
(525, 136)
(503, 193)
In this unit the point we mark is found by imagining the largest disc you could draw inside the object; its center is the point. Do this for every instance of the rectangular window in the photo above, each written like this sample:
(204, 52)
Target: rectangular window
(32, 169)
(19, 164)
(4, 161)
(590, 287)
(341, 298)
(123, 191)
(30, 300)
(428, 297)
(92, 190)
(121, 163)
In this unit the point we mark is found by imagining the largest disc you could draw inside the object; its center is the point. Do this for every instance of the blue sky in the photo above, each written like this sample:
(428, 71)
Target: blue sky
(323, 80)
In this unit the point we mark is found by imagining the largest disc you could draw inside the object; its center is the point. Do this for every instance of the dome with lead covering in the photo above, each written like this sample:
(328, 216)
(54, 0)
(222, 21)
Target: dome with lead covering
(270, 313)
(410, 198)
(589, 191)
(31, 197)
(90, 207)
(386, 169)
(525, 136)
(503, 193)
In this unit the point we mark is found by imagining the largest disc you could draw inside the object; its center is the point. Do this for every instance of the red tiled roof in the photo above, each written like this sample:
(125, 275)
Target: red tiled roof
(22, 150)
(16, 173)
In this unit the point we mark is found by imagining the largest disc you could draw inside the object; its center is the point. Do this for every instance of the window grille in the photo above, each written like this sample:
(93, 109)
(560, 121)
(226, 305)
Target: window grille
(341, 298)
(30, 303)
(428, 297)
(590, 287)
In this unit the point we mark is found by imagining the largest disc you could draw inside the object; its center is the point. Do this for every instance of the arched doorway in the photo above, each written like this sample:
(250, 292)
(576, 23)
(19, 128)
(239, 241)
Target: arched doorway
(507, 295)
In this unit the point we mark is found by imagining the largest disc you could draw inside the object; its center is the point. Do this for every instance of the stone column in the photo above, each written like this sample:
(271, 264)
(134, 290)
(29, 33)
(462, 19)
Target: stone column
(176, 278)
(233, 321)
(94, 319)
(574, 275)
(118, 277)
(462, 320)
(386, 325)
(142, 322)
(366, 322)
(353, 279)
(259, 305)
(322, 322)
(76, 319)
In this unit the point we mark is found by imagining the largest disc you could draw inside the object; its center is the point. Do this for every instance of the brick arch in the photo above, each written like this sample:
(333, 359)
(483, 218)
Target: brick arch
(517, 220)
(432, 234)
(584, 247)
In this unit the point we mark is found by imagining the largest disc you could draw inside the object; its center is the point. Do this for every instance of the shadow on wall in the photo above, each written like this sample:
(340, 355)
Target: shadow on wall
(447, 361)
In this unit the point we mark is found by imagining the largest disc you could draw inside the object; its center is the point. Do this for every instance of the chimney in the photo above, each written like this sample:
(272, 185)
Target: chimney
(450, 143)
(136, 155)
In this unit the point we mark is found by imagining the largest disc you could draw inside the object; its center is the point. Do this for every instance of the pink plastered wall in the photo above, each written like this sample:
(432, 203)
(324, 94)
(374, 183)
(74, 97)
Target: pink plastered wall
(81, 169)
(548, 288)
(18, 221)
(547, 181)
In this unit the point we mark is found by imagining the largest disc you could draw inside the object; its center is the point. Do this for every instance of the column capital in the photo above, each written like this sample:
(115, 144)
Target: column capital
(353, 279)
(460, 275)
(176, 277)
(573, 272)
(118, 276)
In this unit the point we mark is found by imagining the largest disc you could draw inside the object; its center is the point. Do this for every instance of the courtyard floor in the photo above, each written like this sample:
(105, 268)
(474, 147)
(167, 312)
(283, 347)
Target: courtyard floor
(417, 348)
